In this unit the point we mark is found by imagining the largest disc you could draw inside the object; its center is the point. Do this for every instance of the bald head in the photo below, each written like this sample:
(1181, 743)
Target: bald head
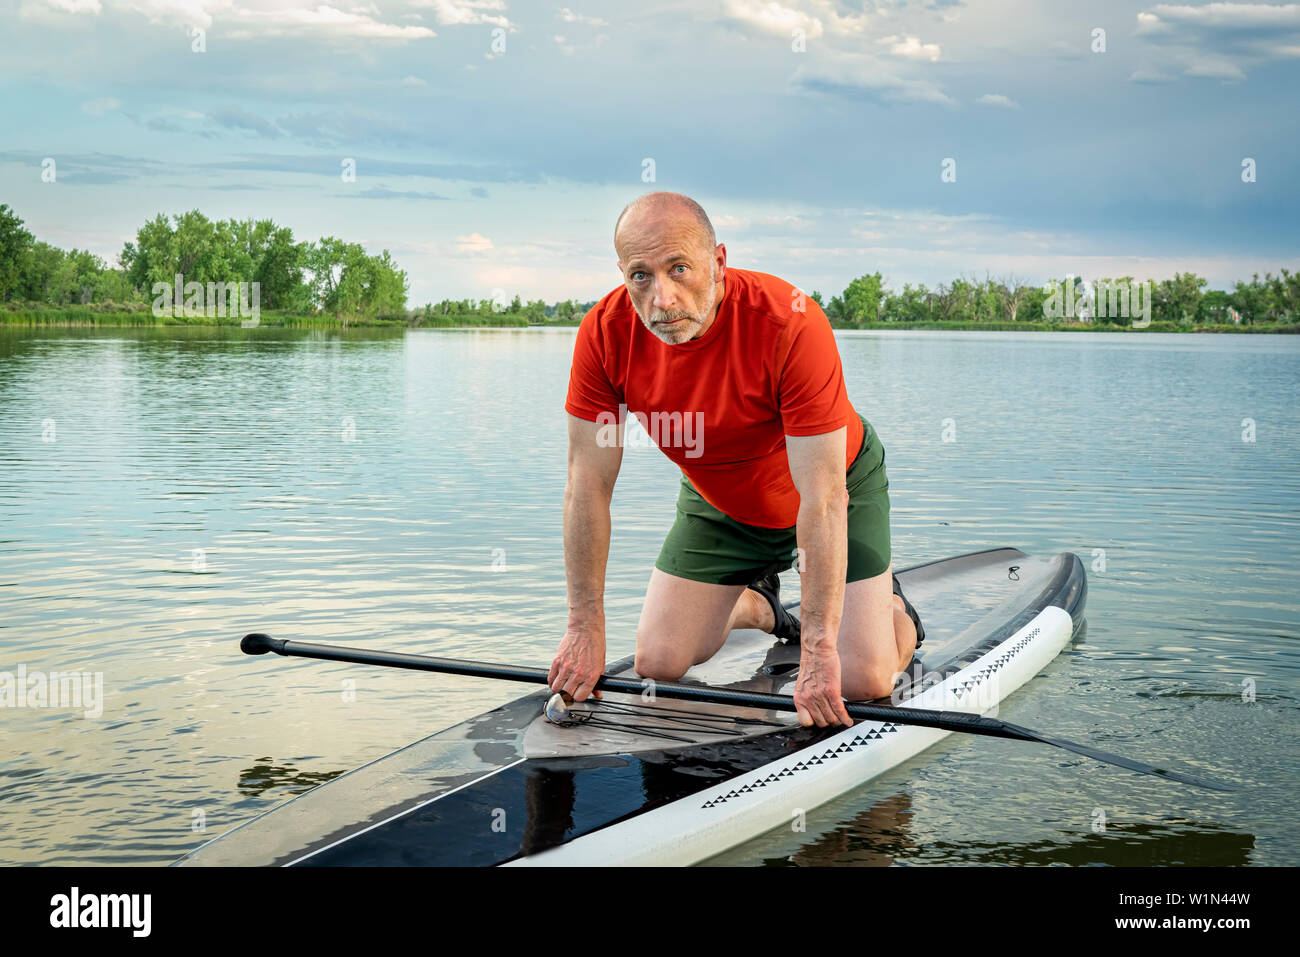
(673, 266)
(666, 210)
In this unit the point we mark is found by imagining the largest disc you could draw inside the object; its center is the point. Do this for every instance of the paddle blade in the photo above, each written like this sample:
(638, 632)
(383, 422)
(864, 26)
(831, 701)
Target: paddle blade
(1123, 762)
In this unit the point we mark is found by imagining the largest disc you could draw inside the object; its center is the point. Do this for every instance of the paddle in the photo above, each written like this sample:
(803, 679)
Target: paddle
(260, 644)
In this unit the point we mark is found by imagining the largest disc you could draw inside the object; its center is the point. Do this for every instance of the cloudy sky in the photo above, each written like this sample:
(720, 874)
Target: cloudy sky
(495, 141)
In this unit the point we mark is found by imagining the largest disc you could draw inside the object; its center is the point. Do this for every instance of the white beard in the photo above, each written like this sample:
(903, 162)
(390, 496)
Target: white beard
(689, 327)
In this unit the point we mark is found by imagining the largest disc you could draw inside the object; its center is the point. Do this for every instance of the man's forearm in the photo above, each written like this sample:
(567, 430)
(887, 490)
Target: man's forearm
(586, 550)
(822, 533)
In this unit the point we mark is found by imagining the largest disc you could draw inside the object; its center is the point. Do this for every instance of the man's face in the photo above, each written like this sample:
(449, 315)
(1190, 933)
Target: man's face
(671, 274)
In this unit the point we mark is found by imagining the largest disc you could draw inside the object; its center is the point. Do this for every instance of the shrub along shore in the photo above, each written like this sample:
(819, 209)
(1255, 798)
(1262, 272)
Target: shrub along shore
(109, 315)
(187, 269)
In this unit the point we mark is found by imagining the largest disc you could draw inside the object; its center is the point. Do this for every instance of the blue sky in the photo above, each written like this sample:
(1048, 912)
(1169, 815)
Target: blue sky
(495, 142)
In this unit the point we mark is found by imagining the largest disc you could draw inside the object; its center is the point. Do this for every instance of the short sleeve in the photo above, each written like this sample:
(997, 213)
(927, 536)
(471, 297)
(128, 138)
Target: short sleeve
(590, 391)
(811, 392)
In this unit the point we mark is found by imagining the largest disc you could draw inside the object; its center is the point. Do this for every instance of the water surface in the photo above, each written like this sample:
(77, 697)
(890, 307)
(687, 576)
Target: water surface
(162, 492)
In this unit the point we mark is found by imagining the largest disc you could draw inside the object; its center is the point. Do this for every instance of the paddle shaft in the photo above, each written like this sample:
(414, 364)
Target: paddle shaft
(259, 644)
(944, 720)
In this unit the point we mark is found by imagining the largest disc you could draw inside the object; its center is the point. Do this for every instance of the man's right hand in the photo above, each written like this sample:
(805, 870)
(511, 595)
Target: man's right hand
(580, 662)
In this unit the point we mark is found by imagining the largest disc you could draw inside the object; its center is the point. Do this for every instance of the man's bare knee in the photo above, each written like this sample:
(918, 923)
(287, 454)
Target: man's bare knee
(868, 685)
(659, 661)
(659, 668)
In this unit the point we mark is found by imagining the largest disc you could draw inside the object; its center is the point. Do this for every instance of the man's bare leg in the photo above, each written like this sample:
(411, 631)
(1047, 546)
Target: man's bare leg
(877, 638)
(685, 622)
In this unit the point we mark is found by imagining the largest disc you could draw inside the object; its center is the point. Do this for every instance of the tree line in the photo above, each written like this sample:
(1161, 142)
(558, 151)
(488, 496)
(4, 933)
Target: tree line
(1180, 302)
(330, 276)
(497, 311)
(340, 279)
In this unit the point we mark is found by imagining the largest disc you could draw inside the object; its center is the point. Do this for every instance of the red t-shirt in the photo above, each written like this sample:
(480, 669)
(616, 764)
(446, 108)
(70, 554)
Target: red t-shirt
(720, 406)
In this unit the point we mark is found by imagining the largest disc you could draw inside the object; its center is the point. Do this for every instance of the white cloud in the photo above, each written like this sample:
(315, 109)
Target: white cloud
(865, 76)
(997, 99)
(912, 48)
(1228, 16)
(74, 6)
(849, 26)
(569, 16)
(1150, 76)
(1150, 25)
(1215, 69)
(243, 19)
(320, 19)
(192, 13)
(60, 14)
(814, 17)
(768, 16)
(474, 243)
(459, 13)
(413, 81)
(1216, 40)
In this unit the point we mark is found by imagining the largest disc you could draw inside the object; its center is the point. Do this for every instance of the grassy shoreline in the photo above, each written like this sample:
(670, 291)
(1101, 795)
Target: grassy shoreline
(127, 317)
(116, 315)
(961, 326)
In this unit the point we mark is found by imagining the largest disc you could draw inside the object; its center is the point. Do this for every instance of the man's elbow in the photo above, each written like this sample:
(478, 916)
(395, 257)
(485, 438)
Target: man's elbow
(587, 486)
(825, 500)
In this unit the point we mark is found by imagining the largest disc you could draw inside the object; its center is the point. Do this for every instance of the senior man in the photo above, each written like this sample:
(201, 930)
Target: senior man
(740, 377)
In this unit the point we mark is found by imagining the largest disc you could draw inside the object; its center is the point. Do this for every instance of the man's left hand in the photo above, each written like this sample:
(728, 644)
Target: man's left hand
(817, 697)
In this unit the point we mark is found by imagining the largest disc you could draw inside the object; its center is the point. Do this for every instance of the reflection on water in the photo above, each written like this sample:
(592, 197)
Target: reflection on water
(881, 836)
(164, 491)
(284, 780)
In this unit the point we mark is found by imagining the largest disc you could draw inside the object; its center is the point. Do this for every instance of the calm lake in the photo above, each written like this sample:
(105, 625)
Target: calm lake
(164, 491)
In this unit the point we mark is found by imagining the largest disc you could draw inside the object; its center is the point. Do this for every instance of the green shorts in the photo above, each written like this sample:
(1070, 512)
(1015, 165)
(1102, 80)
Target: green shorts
(705, 545)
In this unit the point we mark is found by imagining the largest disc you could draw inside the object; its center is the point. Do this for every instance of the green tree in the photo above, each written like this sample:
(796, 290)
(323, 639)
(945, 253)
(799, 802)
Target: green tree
(1283, 296)
(350, 292)
(1014, 296)
(388, 286)
(535, 311)
(1214, 308)
(910, 305)
(148, 259)
(1031, 307)
(279, 271)
(112, 285)
(324, 260)
(1288, 293)
(954, 303)
(367, 286)
(15, 243)
(986, 300)
(861, 303)
(1179, 299)
(201, 251)
(39, 274)
(1251, 300)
